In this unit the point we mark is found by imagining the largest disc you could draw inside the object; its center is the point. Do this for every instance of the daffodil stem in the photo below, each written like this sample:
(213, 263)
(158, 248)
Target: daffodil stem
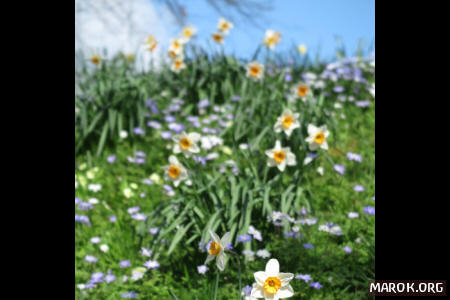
(217, 286)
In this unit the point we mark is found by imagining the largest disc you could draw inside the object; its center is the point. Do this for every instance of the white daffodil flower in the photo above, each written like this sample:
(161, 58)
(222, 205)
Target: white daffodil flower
(217, 249)
(175, 172)
(280, 157)
(177, 45)
(301, 90)
(186, 143)
(272, 284)
(255, 70)
(287, 122)
(151, 43)
(271, 38)
(224, 25)
(317, 137)
(187, 33)
(178, 65)
(218, 37)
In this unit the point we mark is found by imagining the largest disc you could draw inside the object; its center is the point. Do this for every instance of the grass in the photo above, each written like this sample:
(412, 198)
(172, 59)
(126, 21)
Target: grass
(222, 201)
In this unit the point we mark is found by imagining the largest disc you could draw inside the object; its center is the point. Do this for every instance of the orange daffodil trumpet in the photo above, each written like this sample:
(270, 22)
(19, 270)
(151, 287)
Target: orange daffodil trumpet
(96, 59)
(186, 143)
(217, 249)
(178, 65)
(287, 122)
(175, 171)
(271, 38)
(255, 70)
(301, 91)
(224, 26)
(280, 157)
(217, 37)
(317, 137)
(271, 284)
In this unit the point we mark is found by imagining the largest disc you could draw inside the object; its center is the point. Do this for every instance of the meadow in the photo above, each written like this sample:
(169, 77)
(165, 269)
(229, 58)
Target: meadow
(279, 154)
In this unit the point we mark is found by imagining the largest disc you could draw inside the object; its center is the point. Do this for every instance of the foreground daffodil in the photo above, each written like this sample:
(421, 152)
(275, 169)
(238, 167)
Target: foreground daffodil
(175, 171)
(317, 137)
(217, 249)
(255, 70)
(280, 157)
(186, 143)
(271, 38)
(287, 122)
(271, 284)
(224, 25)
(301, 90)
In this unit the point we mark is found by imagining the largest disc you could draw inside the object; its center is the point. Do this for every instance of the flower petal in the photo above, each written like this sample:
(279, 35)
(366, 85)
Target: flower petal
(225, 239)
(214, 236)
(285, 292)
(272, 267)
(257, 291)
(285, 278)
(221, 261)
(260, 277)
(209, 258)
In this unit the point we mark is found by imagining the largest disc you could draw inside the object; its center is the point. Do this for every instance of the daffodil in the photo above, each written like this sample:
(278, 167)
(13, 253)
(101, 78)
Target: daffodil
(317, 137)
(188, 32)
(177, 45)
(224, 25)
(151, 43)
(271, 284)
(271, 38)
(301, 90)
(280, 157)
(175, 171)
(177, 65)
(96, 59)
(301, 49)
(217, 37)
(175, 55)
(287, 122)
(186, 143)
(217, 249)
(255, 70)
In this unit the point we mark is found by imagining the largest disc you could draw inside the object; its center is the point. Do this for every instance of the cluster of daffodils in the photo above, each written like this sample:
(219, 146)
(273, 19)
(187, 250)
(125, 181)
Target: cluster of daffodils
(280, 156)
(271, 38)
(176, 48)
(223, 27)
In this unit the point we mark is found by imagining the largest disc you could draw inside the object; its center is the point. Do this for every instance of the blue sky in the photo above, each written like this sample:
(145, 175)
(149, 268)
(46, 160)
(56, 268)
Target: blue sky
(314, 23)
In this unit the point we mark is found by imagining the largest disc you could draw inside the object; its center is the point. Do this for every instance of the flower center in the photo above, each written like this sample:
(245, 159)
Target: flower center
(187, 32)
(178, 64)
(214, 248)
(95, 59)
(254, 71)
(185, 143)
(287, 122)
(224, 26)
(271, 40)
(302, 90)
(279, 156)
(174, 172)
(172, 54)
(319, 138)
(272, 285)
(217, 38)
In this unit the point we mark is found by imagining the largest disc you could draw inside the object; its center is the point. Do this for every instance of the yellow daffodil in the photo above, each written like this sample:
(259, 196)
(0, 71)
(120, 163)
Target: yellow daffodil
(317, 137)
(177, 65)
(271, 38)
(271, 284)
(224, 25)
(186, 143)
(301, 49)
(151, 43)
(255, 70)
(280, 157)
(188, 32)
(217, 37)
(175, 171)
(287, 122)
(301, 90)
(217, 249)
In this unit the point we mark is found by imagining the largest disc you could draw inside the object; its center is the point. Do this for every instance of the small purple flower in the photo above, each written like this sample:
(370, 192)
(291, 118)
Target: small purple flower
(139, 217)
(110, 277)
(244, 238)
(129, 295)
(82, 219)
(154, 230)
(91, 259)
(359, 188)
(369, 210)
(304, 277)
(95, 240)
(138, 131)
(176, 127)
(124, 264)
(354, 156)
(316, 285)
(152, 105)
(154, 124)
(169, 119)
(338, 89)
(347, 249)
(139, 154)
(202, 269)
(97, 277)
(203, 103)
(340, 169)
(140, 161)
(362, 103)
(290, 234)
(353, 215)
(308, 246)
(247, 291)
(147, 181)
(112, 219)
(111, 159)
(166, 135)
(373, 198)
(229, 246)
(133, 210)
(235, 98)
(151, 264)
(288, 78)
(85, 206)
